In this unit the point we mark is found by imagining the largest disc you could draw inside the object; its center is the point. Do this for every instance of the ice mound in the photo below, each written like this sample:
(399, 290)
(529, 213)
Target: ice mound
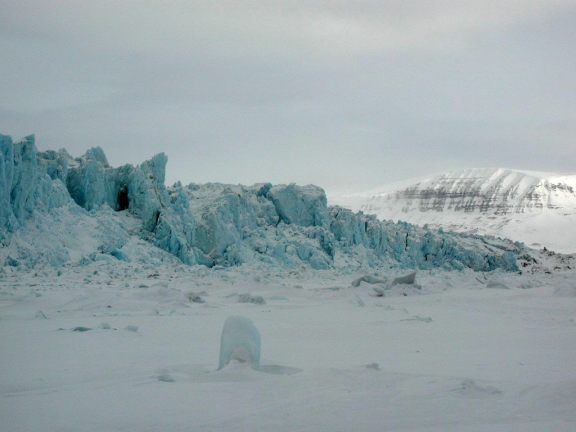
(240, 341)
(210, 224)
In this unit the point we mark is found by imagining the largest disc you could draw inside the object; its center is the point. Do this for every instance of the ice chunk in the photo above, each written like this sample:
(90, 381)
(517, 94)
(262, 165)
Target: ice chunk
(196, 297)
(166, 377)
(374, 366)
(97, 154)
(119, 255)
(471, 389)
(40, 315)
(408, 279)
(240, 341)
(368, 279)
(497, 285)
(300, 205)
(248, 298)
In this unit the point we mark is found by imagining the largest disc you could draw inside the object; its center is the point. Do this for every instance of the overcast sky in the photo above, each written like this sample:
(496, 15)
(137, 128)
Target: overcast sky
(344, 94)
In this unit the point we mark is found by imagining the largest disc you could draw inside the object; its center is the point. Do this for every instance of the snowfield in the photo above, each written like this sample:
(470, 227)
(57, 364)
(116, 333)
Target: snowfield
(117, 346)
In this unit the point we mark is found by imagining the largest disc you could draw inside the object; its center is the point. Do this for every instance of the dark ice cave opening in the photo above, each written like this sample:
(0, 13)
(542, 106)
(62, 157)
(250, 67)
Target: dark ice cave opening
(123, 201)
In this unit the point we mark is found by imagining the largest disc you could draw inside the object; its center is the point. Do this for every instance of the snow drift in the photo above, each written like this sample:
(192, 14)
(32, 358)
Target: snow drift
(209, 224)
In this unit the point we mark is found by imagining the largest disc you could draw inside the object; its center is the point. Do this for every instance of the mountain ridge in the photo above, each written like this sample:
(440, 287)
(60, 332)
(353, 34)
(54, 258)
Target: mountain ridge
(537, 208)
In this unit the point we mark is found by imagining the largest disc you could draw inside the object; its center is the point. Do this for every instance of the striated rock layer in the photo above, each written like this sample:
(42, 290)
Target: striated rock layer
(537, 208)
(212, 224)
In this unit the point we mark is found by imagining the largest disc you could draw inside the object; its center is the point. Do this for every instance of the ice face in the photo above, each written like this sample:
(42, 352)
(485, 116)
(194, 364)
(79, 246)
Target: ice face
(216, 224)
(25, 185)
(240, 341)
(300, 205)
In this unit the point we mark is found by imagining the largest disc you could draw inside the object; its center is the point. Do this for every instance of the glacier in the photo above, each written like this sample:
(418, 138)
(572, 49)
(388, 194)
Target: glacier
(26, 184)
(92, 209)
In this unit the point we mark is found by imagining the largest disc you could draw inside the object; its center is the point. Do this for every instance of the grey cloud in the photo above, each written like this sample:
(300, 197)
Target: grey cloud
(330, 92)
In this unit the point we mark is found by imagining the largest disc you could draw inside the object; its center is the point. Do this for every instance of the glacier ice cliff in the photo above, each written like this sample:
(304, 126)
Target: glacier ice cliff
(214, 224)
(26, 184)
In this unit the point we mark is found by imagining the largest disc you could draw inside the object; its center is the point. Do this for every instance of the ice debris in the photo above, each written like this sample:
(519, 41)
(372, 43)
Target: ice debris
(368, 279)
(240, 341)
(212, 224)
(496, 285)
(409, 279)
(248, 298)
(471, 389)
(40, 315)
(373, 366)
(194, 297)
(165, 377)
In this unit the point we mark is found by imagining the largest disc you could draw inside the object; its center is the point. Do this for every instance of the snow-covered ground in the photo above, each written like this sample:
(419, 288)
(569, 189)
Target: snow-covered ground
(117, 346)
(103, 328)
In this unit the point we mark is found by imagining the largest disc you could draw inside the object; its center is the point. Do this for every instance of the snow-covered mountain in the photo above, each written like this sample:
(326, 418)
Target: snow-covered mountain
(536, 208)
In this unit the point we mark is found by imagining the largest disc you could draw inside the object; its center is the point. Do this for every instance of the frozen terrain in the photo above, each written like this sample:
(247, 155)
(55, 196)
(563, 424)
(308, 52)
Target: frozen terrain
(538, 209)
(117, 346)
(57, 209)
(127, 305)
